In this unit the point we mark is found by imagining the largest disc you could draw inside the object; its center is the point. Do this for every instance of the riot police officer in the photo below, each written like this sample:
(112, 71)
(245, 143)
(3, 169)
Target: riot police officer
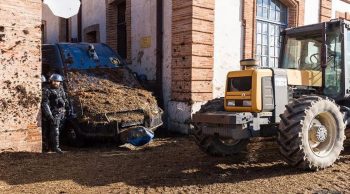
(55, 106)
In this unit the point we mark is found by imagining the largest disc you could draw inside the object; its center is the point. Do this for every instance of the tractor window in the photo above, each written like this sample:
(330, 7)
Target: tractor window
(347, 59)
(348, 46)
(333, 74)
(303, 53)
(347, 52)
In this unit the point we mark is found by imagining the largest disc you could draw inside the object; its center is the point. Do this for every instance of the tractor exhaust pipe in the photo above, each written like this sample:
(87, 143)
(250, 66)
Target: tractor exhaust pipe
(249, 64)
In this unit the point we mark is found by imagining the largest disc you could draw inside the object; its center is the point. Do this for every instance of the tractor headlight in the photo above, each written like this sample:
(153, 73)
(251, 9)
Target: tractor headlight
(247, 103)
(231, 103)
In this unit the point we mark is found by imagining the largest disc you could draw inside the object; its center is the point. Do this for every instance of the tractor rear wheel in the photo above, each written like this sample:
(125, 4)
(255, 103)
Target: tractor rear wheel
(311, 133)
(213, 144)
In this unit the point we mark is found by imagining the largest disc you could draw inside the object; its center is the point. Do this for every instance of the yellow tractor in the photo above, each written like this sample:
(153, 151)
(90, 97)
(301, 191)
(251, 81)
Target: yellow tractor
(305, 102)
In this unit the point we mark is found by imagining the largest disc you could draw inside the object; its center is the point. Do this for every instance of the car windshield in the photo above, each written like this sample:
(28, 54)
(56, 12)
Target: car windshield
(89, 56)
(303, 53)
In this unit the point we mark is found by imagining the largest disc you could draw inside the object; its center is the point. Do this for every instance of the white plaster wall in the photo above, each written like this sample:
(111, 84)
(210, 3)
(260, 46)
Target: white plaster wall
(180, 114)
(167, 12)
(227, 42)
(312, 13)
(143, 24)
(52, 25)
(94, 12)
(338, 5)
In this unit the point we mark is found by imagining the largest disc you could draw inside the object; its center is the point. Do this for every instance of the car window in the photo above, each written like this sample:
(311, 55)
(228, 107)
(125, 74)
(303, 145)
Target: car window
(81, 56)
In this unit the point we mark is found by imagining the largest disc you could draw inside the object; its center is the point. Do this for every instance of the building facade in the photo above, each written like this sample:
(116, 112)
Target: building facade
(209, 38)
(88, 26)
(20, 83)
(186, 47)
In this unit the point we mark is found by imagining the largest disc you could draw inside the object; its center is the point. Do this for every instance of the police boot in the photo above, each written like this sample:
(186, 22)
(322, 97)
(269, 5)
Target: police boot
(56, 141)
(57, 146)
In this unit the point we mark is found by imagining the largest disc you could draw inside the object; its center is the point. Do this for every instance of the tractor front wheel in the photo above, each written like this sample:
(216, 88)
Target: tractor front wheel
(213, 144)
(311, 133)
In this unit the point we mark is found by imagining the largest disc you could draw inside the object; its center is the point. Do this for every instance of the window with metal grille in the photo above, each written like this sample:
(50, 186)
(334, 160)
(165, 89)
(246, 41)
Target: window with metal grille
(271, 19)
(121, 30)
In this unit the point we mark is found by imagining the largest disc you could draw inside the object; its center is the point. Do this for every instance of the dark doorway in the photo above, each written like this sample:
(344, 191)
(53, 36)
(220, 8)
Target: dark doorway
(63, 30)
(121, 30)
(91, 37)
(92, 34)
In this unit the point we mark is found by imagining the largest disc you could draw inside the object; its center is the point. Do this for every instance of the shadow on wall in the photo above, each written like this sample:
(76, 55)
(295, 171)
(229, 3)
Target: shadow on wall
(178, 163)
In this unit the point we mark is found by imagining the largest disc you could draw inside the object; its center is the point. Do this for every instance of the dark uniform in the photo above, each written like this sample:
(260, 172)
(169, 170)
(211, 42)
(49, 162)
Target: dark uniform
(54, 106)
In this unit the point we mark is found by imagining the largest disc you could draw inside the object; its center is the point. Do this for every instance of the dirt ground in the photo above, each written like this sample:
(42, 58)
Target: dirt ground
(167, 165)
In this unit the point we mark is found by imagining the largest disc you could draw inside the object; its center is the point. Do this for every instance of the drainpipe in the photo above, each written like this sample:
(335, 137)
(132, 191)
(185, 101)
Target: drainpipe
(67, 31)
(80, 21)
(159, 59)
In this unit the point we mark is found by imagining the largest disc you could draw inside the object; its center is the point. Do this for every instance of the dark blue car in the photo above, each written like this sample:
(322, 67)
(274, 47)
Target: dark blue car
(106, 96)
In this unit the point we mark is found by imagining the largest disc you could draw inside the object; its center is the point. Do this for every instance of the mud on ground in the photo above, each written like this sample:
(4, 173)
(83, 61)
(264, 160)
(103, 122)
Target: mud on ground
(166, 166)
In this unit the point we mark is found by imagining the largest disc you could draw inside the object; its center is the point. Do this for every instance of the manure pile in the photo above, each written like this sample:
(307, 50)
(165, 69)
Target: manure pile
(98, 94)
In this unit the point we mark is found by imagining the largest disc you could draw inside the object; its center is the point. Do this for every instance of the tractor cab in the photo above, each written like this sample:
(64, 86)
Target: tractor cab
(323, 51)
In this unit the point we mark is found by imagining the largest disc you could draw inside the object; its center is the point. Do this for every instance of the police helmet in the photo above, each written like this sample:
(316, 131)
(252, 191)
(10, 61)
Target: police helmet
(56, 77)
(43, 79)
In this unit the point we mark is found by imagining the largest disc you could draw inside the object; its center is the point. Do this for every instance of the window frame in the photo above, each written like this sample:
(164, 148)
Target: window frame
(267, 21)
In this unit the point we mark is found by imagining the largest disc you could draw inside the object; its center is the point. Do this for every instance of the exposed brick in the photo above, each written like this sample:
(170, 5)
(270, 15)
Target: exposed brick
(192, 50)
(192, 97)
(182, 26)
(192, 62)
(183, 14)
(202, 25)
(325, 10)
(202, 50)
(202, 74)
(20, 44)
(202, 86)
(192, 74)
(209, 4)
(181, 86)
(182, 50)
(182, 38)
(201, 96)
(202, 62)
(202, 38)
(181, 62)
(179, 4)
(192, 86)
(203, 14)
